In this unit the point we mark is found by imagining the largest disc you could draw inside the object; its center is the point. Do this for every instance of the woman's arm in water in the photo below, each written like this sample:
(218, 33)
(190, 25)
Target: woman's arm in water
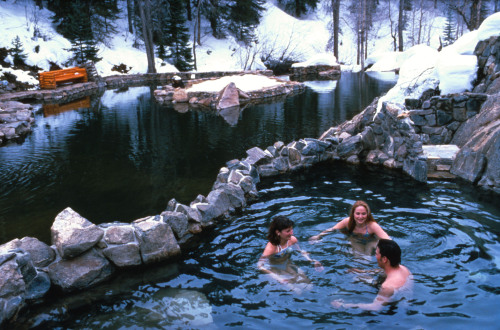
(339, 225)
(317, 265)
(377, 230)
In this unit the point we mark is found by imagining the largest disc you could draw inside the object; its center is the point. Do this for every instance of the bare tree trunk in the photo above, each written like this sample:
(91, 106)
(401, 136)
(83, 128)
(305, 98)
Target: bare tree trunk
(130, 13)
(362, 33)
(400, 25)
(196, 22)
(336, 23)
(420, 22)
(145, 12)
(188, 10)
(393, 31)
(198, 18)
(478, 16)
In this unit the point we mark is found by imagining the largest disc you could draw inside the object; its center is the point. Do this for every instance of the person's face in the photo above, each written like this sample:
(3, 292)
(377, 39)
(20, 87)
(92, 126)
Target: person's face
(286, 233)
(360, 215)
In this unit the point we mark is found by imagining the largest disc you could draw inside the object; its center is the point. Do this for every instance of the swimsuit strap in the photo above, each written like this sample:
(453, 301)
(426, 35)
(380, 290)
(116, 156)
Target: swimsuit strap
(281, 249)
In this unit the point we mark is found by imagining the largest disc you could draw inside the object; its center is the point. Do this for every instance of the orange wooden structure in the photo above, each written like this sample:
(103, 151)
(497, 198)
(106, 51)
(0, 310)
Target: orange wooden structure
(49, 79)
(56, 108)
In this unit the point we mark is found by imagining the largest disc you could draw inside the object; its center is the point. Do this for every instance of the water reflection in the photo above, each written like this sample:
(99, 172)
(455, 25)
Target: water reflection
(125, 157)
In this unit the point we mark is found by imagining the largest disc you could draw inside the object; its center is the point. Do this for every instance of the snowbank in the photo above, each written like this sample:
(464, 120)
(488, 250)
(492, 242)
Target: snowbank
(247, 83)
(318, 59)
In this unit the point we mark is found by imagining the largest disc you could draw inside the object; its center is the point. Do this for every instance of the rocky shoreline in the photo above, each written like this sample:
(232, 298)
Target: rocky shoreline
(83, 254)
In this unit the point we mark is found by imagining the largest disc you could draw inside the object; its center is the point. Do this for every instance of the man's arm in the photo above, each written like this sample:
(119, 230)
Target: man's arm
(380, 301)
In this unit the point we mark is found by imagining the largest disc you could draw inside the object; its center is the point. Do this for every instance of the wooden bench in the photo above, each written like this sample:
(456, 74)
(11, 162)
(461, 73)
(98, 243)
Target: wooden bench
(50, 79)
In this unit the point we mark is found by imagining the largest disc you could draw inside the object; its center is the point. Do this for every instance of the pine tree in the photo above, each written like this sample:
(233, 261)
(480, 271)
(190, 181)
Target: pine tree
(449, 28)
(84, 47)
(104, 13)
(244, 17)
(18, 51)
(177, 37)
(297, 7)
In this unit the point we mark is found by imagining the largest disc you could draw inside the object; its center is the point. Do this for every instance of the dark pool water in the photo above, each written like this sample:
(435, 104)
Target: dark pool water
(124, 157)
(449, 235)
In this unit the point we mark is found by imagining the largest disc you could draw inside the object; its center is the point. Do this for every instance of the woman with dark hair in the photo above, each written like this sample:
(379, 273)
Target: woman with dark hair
(360, 222)
(278, 251)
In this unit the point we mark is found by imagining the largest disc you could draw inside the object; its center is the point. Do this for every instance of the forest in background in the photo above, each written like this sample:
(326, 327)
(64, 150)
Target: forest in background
(172, 29)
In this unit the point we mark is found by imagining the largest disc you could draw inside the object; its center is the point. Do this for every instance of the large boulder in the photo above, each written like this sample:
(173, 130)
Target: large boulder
(121, 247)
(478, 160)
(81, 272)
(228, 97)
(41, 254)
(72, 234)
(156, 240)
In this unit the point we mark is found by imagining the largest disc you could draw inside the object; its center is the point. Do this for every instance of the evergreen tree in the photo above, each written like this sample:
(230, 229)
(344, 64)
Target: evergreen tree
(449, 28)
(84, 47)
(177, 37)
(18, 51)
(104, 13)
(244, 17)
(297, 7)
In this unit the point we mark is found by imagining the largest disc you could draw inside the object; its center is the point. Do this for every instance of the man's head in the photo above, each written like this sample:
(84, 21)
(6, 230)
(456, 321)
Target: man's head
(388, 250)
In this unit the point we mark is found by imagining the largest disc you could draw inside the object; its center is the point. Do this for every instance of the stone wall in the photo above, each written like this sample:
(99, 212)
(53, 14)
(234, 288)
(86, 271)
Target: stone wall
(315, 72)
(438, 118)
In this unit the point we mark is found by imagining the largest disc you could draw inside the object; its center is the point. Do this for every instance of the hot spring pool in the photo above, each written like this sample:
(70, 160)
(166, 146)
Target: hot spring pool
(448, 233)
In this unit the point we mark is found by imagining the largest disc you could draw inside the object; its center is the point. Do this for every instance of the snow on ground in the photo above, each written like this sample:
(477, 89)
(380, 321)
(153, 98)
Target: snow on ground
(453, 69)
(420, 67)
(247, 83)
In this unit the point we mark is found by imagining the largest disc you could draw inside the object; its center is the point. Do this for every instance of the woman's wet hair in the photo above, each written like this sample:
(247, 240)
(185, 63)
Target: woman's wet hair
(352, 223)
(278, 223)
(391, 250)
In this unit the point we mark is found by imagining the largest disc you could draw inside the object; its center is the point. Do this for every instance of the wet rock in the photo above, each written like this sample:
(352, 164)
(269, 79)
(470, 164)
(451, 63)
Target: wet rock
(84, 271)
(72, 234)
(156, 240)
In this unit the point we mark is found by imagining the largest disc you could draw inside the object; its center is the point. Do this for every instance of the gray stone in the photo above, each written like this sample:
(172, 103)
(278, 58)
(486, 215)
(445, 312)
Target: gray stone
(469, 165)
(417, 169)
(459, 114)
(294, 156)
(431, 119)
(156, 241)
(119, 234)
(190, 212)
(11, 282)
(280, 164)
(418, 120)
(38, 286)
(9, 307)
(124, 255)
(177, 221)
(81, 272)
(257, 156)
(350, 146)
(72, 234)
(443, 118)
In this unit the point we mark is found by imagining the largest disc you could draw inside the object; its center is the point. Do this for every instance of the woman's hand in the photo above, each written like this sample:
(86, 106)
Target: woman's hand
(314, 239)
(318, 266)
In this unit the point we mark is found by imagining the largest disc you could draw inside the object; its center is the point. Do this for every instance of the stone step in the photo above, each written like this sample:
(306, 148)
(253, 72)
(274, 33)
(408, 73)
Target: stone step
(439, 160)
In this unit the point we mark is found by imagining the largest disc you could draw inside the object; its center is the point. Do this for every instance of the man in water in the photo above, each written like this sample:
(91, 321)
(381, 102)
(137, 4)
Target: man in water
(398, 283)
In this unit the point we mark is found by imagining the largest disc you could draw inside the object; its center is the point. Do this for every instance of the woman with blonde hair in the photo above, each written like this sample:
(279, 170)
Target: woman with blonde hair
(360, 222)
